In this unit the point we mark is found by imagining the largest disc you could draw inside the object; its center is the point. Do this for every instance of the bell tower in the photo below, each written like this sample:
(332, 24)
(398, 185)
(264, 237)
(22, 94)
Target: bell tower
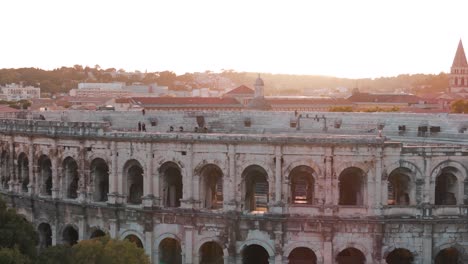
(458, 81)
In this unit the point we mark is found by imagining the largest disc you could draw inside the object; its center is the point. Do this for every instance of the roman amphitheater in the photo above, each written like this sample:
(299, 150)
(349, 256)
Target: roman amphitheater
(246, 186)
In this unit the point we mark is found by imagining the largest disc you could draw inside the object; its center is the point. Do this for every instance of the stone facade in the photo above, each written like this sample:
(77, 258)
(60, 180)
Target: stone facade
(393, 190)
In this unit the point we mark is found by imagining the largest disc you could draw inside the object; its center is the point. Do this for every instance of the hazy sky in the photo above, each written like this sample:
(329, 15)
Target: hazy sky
(348, 38)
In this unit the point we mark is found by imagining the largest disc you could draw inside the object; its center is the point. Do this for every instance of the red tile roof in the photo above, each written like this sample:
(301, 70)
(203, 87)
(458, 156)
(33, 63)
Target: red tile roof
(199, 102)
(308, 101)
(7, 109)
(122, 100)
(241, 90)
(384, 98)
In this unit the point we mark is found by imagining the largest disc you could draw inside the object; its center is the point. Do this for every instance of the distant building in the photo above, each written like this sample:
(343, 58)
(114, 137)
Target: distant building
(243, 94)
(187, 103)
(16, 92)
(458, 80)
(118, 89)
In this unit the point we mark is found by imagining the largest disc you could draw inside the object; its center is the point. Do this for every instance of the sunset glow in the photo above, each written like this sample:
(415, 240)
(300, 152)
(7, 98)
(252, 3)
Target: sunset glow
(337, 38)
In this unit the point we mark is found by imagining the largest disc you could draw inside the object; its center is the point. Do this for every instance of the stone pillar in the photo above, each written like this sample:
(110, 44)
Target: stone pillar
(56, 172)
(83, 174)
(56, 238)
(428, 183)
(149, 244)
(113, 228)
(188, 244)
(229, 181)
(278, 203)
(113, 196)
(427, 244)
(11, 165)
(327, 181)
(278, 257)
(31, 173)
(378, 182)
(187, 181)
(371, 192)
(327, 234)
(148, 197)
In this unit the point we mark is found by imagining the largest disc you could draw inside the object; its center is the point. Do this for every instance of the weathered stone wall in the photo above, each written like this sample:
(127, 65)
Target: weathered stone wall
(325, 224)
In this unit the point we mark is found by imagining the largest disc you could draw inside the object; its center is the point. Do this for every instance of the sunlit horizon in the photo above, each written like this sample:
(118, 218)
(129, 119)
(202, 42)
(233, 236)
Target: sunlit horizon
(345, 39)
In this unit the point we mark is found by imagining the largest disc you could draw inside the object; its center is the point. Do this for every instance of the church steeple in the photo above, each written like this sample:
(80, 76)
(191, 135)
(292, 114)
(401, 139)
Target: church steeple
(460, 58)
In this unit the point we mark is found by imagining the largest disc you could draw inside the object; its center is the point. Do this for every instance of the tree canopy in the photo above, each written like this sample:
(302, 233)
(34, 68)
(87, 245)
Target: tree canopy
(16, 232)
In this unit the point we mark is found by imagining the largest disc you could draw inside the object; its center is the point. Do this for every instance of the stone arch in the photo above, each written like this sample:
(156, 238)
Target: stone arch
(171, 187)
(211, 186)
(5, 176)
(45, 174)
(449, 254)
(316, 248)
(215, 248)
(70, 178)
(99, 170)
(355, 245)
(269, 248)
(303, 162)
(302, 255)
(441, 246)
(364, 166)
(70, 234)
(97, 232)
(399, 255)
(133, 182)
(450, 163)
(352, 185)
(23, 171)
(255, 189)
(169, 249)
(303, 185)
(351, 255)
(45, 234)
(131, 232)
(135, 239)
(403, 164)
(415, 177)
(449, 183)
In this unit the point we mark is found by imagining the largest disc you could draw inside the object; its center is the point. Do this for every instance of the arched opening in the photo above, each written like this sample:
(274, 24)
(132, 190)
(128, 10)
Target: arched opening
(254, 254)
(70, 236)
(211, 188)
(302, 185)
(45, 174)
(100, 176)
(4, 170)
(134, 239)
(448, 256)
(211, 253)
(23, 172)
(350, 256)
(134, 172)
(399, 256)
(170, 251)
(172, 184)
(70, 178)
(399, 185)
(45, 235)
(97, 233)
(302, 255)
(446, 188)
(352, 186)
(255, 189)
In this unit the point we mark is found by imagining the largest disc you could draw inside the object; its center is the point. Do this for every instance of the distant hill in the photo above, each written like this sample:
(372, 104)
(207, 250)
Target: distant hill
(61, 80)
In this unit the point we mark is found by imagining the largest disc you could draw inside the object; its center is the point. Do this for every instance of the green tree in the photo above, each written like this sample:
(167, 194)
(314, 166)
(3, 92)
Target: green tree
(15, 231)
(13, 256)
(59, 254)
(459, 106)
(108, 251)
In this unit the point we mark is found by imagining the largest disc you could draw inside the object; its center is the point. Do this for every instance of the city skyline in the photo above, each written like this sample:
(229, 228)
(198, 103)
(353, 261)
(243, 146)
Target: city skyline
(354, 40)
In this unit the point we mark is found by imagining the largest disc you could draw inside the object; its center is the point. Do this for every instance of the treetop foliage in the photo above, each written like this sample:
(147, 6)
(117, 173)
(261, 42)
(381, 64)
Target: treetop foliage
(61, 80)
